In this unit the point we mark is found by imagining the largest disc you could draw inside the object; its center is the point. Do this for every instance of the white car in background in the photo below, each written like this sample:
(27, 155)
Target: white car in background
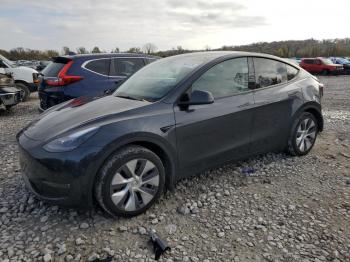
(25, 78)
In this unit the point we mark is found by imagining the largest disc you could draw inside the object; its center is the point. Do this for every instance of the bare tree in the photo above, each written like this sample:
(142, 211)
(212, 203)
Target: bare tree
(149, 48)
(207, 48)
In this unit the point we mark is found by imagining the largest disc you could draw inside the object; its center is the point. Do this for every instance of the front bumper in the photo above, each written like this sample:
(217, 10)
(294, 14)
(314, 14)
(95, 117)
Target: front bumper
(60, 178)
(10, 99)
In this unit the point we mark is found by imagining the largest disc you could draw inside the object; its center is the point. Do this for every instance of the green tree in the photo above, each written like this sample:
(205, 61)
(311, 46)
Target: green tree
(116, 50)
(134, 50)
(82, 50)
(65, 50)
(95, 50)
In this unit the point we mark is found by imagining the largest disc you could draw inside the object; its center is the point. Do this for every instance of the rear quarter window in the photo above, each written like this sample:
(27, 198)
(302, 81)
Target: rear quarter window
(269, 72)
(291, 72)
(100, 66)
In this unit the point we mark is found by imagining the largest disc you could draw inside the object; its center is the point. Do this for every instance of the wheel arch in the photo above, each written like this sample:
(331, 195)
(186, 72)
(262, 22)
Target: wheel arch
(163, 151)
(314, 109)
(164, 156)
(21, 82)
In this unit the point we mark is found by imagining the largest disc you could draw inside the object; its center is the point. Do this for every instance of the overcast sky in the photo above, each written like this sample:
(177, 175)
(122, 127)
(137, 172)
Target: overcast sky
(193, 24)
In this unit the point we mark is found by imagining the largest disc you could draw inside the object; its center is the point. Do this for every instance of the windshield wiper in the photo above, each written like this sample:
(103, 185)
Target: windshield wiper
(129, 97)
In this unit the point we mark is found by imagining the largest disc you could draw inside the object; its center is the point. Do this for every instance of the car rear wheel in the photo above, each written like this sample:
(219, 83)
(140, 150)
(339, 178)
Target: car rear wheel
(130, 182)
(25, 92)
(303, 136)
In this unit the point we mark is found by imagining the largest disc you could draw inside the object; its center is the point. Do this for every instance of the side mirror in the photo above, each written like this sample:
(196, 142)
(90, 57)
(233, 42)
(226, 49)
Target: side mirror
(197, 97)
(2, 71)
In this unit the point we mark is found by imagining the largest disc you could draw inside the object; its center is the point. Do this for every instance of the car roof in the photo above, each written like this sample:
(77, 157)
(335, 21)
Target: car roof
(107, 55)
(212, 55)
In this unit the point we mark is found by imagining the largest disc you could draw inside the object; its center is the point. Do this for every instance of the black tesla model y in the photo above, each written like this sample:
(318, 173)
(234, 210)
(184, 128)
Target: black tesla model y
(173, 118)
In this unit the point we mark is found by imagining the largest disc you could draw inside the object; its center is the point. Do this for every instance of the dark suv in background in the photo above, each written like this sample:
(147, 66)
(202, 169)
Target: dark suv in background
(91, 75)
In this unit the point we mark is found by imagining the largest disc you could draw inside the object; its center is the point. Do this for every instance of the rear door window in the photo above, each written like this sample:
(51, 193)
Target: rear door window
(99, 66)
(269, 72)
(126, 66)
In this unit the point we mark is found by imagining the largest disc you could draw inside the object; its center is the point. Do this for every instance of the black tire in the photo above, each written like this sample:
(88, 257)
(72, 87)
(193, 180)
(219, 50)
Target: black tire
(9, 107)
(113, 167)
(25, 92)
(325, 72)
(295, 149)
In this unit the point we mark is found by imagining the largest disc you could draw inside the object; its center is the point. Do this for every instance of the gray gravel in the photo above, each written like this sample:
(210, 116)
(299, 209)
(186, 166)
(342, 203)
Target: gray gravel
(290, 209)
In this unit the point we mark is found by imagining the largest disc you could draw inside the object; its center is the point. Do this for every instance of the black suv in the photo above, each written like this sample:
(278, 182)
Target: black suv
(90, 75)
(172, 119)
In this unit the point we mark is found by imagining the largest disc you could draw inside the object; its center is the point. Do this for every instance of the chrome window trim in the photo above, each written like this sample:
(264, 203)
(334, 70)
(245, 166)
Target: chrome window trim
(88, 61)
(110, 58)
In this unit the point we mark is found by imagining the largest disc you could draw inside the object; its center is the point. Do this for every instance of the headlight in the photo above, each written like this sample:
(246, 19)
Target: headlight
(71, 141)
(6, 81)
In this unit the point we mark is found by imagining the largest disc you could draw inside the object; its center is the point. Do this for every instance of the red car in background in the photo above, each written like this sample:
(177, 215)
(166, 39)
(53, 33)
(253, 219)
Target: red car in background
(320, 66)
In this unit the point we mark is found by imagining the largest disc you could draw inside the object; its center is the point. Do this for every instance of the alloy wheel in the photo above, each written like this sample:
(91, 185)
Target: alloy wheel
(306, 134)
(135, 184)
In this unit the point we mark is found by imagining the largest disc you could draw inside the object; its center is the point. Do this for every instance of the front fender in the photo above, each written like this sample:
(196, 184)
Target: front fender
(139, 139)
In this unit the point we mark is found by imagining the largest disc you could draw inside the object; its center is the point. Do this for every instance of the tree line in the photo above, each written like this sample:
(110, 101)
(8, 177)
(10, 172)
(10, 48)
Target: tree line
(291, 48)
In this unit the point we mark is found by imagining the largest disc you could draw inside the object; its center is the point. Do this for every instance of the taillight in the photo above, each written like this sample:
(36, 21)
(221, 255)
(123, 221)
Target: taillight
(62, 78)
(35, 78)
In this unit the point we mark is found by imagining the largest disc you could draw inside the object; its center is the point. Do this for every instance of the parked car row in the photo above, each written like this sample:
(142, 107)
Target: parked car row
(26, 79)
(35, 64)
(9, 94)
(325, 66)
(173, 118)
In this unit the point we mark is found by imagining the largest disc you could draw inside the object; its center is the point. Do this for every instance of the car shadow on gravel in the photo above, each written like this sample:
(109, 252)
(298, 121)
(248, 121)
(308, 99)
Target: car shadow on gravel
(26, 203)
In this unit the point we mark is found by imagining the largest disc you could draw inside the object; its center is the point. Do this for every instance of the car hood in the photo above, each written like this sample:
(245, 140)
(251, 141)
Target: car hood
(79, 112)
(25, 69)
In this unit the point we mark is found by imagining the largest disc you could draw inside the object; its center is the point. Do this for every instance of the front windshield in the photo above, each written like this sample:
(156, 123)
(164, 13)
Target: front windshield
(7, 62)
(154, 81)
(327, 61)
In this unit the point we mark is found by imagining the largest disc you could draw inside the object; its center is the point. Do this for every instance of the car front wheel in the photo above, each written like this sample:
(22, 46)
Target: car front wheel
(130, 181)
(25, 92)
(303, 135)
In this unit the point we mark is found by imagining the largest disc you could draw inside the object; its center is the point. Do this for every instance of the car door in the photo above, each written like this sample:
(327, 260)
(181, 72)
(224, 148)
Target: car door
(308, 65)
(96, 81)
(122, 68)
(275, 96)
(318, 66)
(211, 134)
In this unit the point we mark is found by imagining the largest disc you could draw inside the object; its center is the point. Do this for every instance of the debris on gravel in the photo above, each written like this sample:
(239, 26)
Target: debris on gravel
(288, 209)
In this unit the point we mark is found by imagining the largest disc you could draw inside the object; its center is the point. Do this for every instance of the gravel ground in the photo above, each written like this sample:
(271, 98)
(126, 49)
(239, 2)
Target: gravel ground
(290, 209)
